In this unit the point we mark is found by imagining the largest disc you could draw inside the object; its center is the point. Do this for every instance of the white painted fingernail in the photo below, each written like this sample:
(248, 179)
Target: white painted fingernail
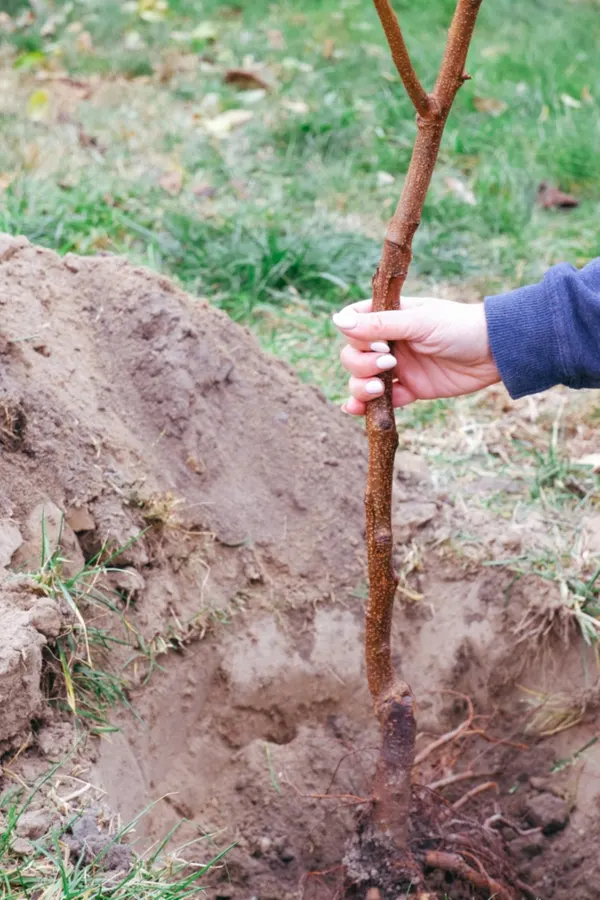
(385, 362)
(346, 319)
(374, 387)
(380, 347)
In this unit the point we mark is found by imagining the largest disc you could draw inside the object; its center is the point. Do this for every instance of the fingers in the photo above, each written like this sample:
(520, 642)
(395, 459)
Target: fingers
(356, 405)
(364, 364)
(410, 326)
(370, 327)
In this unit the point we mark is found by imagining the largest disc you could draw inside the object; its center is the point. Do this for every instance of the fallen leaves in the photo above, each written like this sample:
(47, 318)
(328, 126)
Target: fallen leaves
(84, 43)
(223, 124)
(298, 107)
(204, 189)
(551, 198)
(384, 179)
(570, 102)
(171, 181)
(205, 31)
(276, 39)
(152, 10)
(490, 105)
(329, 48)
(592, 459)
(6, 23)
(460, 190)
(245, 80)
(38, 106)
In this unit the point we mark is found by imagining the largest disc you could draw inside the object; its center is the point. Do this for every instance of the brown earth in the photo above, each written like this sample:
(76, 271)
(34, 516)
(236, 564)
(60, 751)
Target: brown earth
(127, 405)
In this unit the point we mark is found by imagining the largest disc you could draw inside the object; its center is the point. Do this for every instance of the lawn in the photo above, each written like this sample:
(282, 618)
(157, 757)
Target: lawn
(124, 130)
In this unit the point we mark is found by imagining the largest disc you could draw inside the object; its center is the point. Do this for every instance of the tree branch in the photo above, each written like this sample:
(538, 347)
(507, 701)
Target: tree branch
(410, 80)
(452, 70)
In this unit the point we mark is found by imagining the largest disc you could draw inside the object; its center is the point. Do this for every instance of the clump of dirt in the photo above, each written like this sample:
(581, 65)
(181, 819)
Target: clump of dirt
(135, 419)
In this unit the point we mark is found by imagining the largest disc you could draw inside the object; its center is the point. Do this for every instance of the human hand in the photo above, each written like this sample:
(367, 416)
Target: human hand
(440, 349)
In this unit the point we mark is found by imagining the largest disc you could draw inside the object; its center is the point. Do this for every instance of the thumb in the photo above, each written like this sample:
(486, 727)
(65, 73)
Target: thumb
(391, 325)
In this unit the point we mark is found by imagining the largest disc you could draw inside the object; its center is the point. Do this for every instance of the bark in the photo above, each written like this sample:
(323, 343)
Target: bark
(393, 698)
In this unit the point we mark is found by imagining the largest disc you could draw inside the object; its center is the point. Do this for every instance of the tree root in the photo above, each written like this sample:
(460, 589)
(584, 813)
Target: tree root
(474, 855)
(452, 862)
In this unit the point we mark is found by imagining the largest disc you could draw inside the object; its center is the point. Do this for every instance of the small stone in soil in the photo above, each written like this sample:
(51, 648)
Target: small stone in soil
(264, 845)
(286, 855)
(33, 823)
(528, 845)
(549, 812)
(22, 847)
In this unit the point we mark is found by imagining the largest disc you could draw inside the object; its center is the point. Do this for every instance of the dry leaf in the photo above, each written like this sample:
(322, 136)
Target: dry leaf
(592, 459)
(134, 41)
(490, 105)
(30, 156)
(171, 181)
(210, 105)
(49, 27)
(240, 187)
(296, 106)
(328, 48)
(586, 94)
(205, 31)
(551, 198)
(544, 113)
(226, 122)
(494, 51)
(5, 180)
(571, 102)
(152, 10)
(84, 43)
(6, 23)
(38, 106)
(460, 190)
(24, 20)
(245, 79)
(297, 65)
(204, 189)
(276, 39)
(384, 178)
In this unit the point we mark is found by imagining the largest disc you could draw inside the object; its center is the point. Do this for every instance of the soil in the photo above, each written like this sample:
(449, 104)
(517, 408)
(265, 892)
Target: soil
(128, 406)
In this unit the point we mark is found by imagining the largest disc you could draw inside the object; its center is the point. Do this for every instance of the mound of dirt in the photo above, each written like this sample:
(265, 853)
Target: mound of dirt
(135, 418)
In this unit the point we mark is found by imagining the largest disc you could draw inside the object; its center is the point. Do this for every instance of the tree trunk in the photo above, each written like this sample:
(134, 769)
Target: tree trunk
(393, 698)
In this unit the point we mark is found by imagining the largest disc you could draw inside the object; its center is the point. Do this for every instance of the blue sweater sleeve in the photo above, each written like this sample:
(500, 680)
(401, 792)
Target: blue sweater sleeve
(548, 333)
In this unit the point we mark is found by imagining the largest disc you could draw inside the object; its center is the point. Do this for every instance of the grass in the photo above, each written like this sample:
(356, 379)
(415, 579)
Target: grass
(99, 655)
(111, 141)
(48, 869)
(81, 673)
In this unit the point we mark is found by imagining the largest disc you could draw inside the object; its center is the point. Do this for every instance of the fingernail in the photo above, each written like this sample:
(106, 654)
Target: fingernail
(374, 387)
(380, 347)
(346, 319)
(385, 362)
(344, 409)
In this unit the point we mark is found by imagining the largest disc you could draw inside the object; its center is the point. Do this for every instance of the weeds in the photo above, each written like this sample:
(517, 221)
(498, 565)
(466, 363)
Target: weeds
(81, 660)
(49, 867)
